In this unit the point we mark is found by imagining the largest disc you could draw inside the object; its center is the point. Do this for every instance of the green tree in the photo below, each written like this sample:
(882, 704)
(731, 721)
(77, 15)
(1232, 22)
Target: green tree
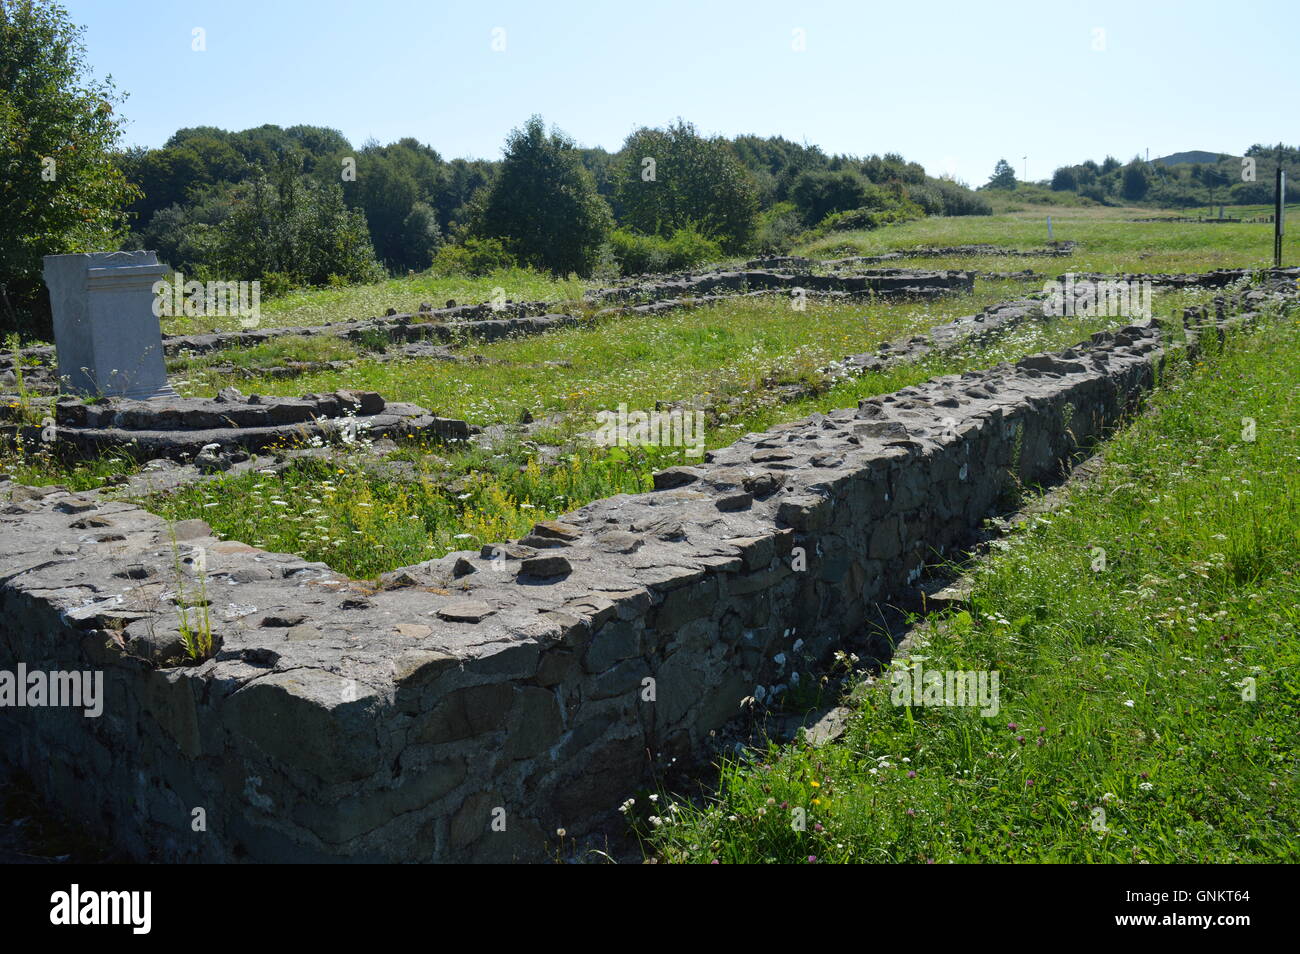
(1004, 177)
(1135, 182)
(819, 192)
(1063, 180)
(391, 182)
(689, 181)
(543, 203)
(60, 190)
(296, 226)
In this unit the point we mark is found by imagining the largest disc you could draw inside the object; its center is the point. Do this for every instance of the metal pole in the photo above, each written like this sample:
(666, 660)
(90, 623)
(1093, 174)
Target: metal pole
(1279, 213)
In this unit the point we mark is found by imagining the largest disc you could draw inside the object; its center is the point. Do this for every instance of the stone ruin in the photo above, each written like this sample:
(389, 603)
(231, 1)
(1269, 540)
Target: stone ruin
(180, 428)
(430, 331)
(104, 324)
(540, 680)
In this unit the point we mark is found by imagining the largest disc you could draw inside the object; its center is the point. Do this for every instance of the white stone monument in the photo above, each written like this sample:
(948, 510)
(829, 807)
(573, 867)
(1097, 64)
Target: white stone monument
(106, 334)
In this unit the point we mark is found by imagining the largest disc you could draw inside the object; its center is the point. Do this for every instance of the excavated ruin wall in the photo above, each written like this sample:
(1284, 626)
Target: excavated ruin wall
(471, 706)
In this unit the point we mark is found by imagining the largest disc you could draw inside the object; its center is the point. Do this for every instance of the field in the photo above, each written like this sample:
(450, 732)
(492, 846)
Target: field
(1153, 702)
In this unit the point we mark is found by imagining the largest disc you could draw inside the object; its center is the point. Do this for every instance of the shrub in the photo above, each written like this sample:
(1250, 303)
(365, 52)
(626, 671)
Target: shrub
(958, 200)
(475, 256)
(857, 220)
(637, 254)
(778, 229)
(277, 284)
(819, 192)
(927, 197)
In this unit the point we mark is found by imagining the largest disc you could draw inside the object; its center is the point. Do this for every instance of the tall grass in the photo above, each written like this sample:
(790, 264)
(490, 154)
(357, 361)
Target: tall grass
(1148, 708)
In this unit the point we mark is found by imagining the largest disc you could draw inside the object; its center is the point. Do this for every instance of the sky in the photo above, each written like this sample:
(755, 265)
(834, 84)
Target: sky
(955, 86)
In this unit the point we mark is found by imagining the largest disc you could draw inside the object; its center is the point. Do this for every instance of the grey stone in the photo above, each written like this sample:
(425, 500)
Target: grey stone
(546, 566)
(465, 611)
(106, 332)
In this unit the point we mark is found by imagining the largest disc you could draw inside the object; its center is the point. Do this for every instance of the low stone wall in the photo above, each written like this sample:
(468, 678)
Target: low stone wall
(466, 708)
(179, 428)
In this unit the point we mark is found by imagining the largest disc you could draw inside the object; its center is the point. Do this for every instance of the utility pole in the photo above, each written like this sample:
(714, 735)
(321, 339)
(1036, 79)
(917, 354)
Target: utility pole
(1025, 160)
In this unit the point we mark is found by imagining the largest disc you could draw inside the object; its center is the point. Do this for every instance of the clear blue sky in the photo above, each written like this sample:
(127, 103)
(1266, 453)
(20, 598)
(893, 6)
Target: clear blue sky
(952, 85)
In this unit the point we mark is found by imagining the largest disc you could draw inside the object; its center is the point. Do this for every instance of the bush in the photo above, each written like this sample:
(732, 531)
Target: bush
(961, 201)
(860, 220)
(638, 254)
(474, 257)
(278, 284)
(927, 197)
(819, 192)
(778, 229)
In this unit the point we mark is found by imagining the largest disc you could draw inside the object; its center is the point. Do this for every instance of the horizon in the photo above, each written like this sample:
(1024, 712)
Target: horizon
(700, 73)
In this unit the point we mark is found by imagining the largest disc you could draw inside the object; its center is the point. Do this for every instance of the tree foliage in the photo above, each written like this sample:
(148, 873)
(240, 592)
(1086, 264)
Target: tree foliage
(296, 226)
(1004, 177)
(543, 204)
(689, 182)
(60, 190)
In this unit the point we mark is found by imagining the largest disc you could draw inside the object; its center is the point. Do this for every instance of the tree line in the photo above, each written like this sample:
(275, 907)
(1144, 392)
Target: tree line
(303, 206)
(1176, 183)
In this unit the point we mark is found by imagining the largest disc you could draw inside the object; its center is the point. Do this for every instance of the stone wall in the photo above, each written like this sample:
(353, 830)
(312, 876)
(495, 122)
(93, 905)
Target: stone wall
(534, 684)
(179, 428)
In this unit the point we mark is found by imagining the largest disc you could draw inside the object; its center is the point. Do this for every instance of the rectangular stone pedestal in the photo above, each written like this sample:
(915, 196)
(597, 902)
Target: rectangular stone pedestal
(105, 331)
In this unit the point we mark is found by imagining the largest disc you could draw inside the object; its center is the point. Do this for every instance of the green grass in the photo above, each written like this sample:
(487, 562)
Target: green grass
(1108, 242)
(1124, 732)
(318, 306)
(275, 353)
(637, 360)
(461, 499)
(35, 466)
(342, 514)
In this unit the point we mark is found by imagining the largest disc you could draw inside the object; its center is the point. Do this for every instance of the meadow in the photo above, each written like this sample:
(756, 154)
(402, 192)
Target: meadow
(1147, 708)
